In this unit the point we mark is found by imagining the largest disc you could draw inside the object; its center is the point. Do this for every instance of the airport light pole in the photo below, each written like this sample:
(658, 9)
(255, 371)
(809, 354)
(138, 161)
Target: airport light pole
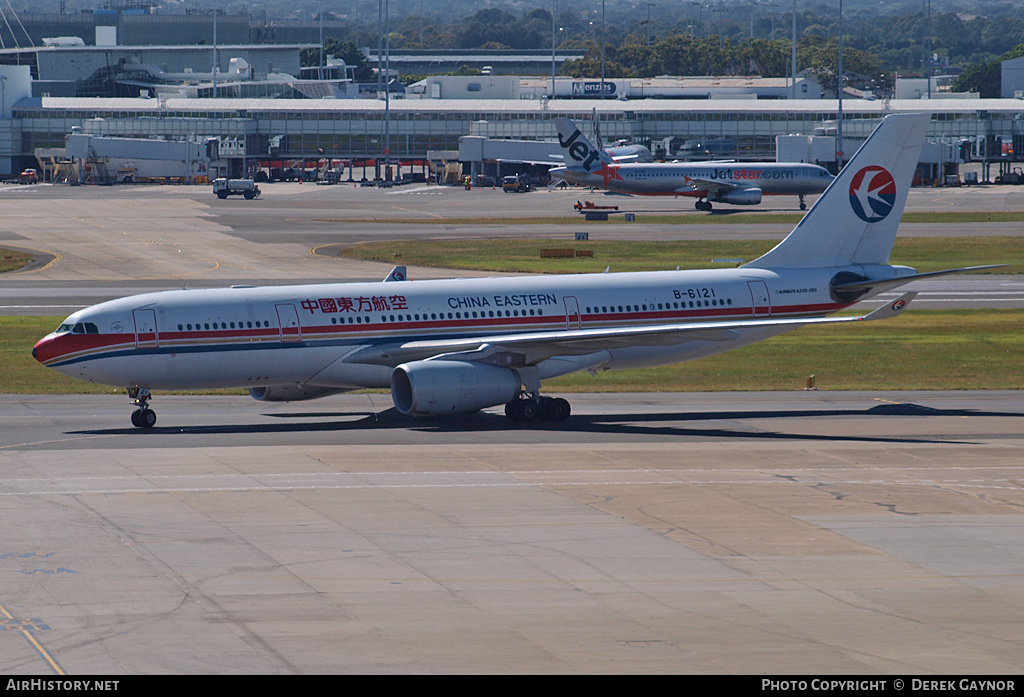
(380, 43)
(602, 49)
(772, 5)
(215, 61)
(387, 87)
(792, 87)
(700, 13)
(839, 129)
(926, 45)
(552, 49)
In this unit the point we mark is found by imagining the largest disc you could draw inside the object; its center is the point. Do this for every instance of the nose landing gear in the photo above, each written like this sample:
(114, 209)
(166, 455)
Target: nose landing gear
(143, 417)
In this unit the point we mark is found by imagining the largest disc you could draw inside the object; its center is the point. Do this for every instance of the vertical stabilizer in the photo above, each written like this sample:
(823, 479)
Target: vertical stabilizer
(855, 220)
(578, 152)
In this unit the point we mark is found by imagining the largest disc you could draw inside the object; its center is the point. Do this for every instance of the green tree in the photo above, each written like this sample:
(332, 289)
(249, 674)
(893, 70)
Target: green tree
(345, 50)
(986, 77)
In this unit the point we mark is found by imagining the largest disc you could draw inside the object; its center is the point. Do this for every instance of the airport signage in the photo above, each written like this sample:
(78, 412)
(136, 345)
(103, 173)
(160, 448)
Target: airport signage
(593, 89)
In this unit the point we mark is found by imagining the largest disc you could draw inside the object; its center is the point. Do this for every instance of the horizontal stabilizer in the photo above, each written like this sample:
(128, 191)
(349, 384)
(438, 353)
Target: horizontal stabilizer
(397, 274)
(887, 283)
(890, 310)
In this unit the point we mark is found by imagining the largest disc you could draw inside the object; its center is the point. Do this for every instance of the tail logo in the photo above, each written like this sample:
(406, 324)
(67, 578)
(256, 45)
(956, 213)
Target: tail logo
(872, 193)
(899, 305)
(578, 149)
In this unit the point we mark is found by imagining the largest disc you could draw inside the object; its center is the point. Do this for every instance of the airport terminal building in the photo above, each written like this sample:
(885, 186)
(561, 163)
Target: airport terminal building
(251, 130)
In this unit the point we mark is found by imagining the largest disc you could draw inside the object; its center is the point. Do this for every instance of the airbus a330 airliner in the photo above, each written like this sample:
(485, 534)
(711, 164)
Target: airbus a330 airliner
(456, 346)
(741, 184)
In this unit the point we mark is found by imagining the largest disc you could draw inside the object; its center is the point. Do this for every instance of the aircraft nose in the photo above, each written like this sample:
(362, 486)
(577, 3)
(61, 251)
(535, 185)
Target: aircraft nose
(45, 349)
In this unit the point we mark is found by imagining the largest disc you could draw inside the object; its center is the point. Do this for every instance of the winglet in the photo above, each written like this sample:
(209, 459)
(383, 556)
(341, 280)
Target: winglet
(397, 274)
(891, 309)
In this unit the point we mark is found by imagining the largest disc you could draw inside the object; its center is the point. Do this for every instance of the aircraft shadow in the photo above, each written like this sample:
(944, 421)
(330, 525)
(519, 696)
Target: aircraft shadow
(645, 424)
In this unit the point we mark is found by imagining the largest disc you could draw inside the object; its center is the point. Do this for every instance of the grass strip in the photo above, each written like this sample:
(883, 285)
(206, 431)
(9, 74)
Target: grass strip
(523, 255)
(920, 350)
(718, 217)
(11, 260)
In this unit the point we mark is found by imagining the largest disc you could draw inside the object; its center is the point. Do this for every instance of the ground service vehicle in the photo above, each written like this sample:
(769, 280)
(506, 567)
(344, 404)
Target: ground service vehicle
(238, 187)
(514, 184)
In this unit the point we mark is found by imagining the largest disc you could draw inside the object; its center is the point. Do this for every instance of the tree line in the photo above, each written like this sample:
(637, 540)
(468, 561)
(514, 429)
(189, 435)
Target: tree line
(731, 39)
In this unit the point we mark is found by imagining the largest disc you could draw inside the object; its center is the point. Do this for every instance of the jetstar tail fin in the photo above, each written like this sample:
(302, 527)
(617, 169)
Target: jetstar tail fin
(577, 151)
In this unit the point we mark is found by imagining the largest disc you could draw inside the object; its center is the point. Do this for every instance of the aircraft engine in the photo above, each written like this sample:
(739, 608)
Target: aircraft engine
(741, 197)
(434, 388)
(290, 393)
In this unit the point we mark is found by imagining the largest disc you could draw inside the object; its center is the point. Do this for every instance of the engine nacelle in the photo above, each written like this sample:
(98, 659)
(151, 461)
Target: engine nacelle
(741, 197)
(434, 388)
(290, 393)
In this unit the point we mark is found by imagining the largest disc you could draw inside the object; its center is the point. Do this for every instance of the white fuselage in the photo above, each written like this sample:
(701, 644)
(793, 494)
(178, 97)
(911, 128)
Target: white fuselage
(688, 179)
(337, 335)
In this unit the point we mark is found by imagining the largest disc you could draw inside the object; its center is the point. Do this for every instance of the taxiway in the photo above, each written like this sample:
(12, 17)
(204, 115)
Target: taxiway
(833, 533)
(806, 532)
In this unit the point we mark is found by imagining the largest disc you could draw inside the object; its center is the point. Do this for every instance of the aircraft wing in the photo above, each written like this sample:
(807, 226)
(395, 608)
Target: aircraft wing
(698, 184)
(632, 157)
(530, 348)
(553, 160)
(559, 161)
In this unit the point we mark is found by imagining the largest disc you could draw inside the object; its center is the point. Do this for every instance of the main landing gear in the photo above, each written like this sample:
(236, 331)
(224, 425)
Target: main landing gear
(702, 205)
(143, 417)
(527, 407)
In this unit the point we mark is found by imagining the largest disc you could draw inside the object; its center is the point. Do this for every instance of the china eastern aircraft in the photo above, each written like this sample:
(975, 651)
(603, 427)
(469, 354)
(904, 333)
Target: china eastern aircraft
(456, 346)
(741, 184)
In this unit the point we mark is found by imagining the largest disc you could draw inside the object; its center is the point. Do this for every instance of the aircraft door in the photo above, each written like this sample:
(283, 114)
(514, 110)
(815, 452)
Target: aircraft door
(762, 303)
(288, 317)
(146, 335)
(572, 313)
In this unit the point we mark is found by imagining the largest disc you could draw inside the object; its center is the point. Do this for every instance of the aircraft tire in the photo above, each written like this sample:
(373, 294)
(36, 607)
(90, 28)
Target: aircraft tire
(529, 410)
(558, 409)
(144, 418)
(522, 410)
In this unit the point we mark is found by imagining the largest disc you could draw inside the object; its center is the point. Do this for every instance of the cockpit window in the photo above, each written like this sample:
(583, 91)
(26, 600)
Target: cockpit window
(78, 328)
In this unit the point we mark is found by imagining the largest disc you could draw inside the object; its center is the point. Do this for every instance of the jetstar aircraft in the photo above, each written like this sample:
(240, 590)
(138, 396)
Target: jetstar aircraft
(725, 182)
(456, 346)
